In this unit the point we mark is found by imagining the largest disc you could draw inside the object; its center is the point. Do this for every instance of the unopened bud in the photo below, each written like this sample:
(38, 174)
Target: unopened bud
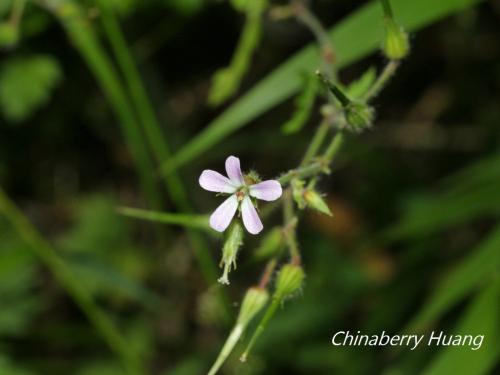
(234, 240)
(289, 280)
(8, 35)
(314, 200)
(396, 45)
(359, 116)
(254, 301)
(271, 244)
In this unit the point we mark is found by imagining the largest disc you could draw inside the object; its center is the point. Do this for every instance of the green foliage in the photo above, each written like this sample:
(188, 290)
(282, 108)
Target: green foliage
(9, 368)
(477, 268)
(468, 195)
(355, 37)
(481, 318)
(18, 279)
(304, 104)
(359, 87)
(26, 84)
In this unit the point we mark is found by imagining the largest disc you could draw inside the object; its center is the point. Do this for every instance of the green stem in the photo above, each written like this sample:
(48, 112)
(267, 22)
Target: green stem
(387, 8)
(316, 142)
(334, 147)
(290, 223)
(271, 310)
(228, 347)
(309, 19)
(71, 284)
(17, 12)
(382, 80)
(156, 139)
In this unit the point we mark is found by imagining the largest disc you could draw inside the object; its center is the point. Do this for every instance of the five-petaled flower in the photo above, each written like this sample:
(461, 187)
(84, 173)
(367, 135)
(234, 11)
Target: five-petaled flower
(242, 190)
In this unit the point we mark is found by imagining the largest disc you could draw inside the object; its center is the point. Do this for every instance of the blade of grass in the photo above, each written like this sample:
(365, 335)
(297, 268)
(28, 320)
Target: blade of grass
(156, 140)
(67, 279)
(355, 37)
(85, 41)
(185, 220)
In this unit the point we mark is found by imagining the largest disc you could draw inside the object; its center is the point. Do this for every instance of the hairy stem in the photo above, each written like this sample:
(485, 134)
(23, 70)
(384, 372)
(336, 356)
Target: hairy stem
(381, 80)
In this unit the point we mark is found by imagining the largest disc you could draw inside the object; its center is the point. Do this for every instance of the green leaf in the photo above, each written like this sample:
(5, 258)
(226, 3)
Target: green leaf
(304, 104)
(469, 194)
(185, 220)
(359, 87)
(354, 38)
(481, 318)
(26, 84)
(482, 263)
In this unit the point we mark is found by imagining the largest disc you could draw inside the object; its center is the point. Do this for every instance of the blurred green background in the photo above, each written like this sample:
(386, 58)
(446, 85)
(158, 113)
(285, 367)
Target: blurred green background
(414, 244)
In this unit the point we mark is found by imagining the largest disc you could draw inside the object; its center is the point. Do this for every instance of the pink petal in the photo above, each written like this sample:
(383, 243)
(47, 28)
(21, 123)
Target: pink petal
(214, 181)
(250, 218)
(269, 190)
(233, 170)
(223, 215)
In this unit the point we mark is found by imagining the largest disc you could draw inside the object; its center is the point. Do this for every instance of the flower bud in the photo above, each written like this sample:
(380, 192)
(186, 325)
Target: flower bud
(396, 45)
(9, 35)
(359, 116)
(315, 201)
(234, 240)
(289, 280)
(271, 244)
(298, 193)
(254, 301)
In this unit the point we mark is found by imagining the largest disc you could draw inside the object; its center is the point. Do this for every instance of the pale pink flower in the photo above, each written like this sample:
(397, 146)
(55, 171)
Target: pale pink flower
(241, 196)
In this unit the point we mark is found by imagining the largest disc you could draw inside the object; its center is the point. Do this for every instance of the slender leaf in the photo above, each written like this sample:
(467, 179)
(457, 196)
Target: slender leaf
(481, 318)
(480, 265)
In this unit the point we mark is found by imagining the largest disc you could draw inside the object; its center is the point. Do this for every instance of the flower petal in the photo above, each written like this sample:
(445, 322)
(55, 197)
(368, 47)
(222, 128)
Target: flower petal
(250, 218)
(214, 181)
(269, 190)
(222, 216)
(233, 170)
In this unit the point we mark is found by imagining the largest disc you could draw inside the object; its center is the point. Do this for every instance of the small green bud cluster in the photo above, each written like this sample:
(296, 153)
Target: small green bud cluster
(359, 116)
(308, 197)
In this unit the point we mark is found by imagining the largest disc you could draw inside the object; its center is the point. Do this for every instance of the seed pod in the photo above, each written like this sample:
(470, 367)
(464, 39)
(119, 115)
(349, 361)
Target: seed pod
(396, 45)
(255, 299)
(289, 280)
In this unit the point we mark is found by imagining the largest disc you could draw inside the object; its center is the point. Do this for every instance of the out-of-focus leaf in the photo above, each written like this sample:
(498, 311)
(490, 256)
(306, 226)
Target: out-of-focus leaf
(304, 104)
(98, 277)
(101, 368)
(26, 84)
(480, 265)
(359, 87)
(7, 367)
(467, 195)
(191, 365)
(18, 300)
(355, 37)
(186, 220)
(481, 318)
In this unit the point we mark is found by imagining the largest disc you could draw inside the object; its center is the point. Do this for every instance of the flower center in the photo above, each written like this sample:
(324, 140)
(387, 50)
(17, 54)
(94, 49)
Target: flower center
(240, 194)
